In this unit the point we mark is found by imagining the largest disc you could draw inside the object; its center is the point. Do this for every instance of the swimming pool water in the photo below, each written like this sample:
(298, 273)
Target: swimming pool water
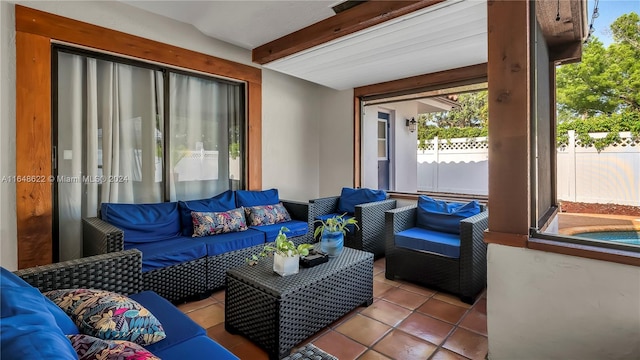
(626, 237)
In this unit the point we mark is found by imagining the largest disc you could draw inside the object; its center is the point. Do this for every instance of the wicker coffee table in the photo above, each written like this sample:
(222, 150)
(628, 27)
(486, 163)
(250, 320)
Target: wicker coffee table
(277, 313)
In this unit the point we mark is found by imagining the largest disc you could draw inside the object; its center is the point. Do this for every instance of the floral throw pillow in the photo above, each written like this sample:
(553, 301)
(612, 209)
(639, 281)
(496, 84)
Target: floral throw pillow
(212, 223)
(108, 315)
(267, 214)
(92, 348)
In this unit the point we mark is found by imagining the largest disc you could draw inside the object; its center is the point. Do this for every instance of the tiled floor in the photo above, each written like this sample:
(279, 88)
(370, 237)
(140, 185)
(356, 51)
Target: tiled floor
(404, 322)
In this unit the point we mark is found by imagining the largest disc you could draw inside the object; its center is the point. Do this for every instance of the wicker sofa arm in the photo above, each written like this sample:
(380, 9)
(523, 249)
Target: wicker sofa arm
(297, 209)
(472, 233)
(100, 237)
(119, 272)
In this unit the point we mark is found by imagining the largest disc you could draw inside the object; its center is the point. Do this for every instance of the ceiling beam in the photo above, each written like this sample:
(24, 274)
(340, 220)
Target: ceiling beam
(347, 22)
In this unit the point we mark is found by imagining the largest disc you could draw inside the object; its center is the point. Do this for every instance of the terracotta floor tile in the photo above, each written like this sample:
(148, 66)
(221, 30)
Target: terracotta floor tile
(444, 354)
(404, 298)
(372, 355)
(222, 337)
(417, 289)
(467, 343)
(381, 263)
(208, 316)
(380, 288)
(380, 277)
(340, 346)
(402, 346)
(249, 351)
(218, 295)
(363, 329)
(451, 299)
(194, 305)
(481, 305)
(426, 328)
(345, 317)
(388, 313)
(475, 321)
(442, 310)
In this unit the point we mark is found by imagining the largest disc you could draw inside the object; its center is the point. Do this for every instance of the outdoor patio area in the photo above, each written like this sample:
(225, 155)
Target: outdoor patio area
(405, 322)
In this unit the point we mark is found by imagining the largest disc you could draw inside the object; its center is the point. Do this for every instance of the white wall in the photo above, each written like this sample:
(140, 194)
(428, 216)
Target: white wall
(296, 148)
(8, 243)
(544, 305)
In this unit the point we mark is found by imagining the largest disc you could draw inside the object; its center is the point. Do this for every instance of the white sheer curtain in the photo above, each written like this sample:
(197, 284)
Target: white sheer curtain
(110, 125)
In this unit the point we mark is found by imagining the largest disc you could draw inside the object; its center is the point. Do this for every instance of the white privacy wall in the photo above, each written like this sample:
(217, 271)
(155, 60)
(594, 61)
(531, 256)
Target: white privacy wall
(292, 108)
(543, 305)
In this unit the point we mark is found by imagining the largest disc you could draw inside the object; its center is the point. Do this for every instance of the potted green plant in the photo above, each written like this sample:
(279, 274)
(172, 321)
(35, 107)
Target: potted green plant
(286, 255)
(333, 231)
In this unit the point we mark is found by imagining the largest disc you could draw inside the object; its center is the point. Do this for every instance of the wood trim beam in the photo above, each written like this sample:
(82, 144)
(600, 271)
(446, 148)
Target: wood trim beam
(357, 139)
(35, 30)
(566, 53)
(347, 22)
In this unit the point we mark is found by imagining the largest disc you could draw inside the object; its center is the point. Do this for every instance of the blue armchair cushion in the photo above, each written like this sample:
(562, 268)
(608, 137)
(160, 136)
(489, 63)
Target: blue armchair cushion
(438, 242)
(29, 330)
(212, 223)
(266, 214)
(222, 202)
(444, 216)
(350, 197)
(143, 222)
(247, 198)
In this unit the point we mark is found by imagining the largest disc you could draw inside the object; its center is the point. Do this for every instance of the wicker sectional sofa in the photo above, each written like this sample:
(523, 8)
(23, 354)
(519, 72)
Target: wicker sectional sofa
(175, 264)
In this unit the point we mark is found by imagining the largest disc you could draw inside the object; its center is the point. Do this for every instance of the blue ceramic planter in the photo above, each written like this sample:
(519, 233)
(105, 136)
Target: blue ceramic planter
(332, 243)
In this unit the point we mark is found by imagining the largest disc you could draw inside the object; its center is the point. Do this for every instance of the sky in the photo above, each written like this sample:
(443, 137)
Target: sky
(609, 11)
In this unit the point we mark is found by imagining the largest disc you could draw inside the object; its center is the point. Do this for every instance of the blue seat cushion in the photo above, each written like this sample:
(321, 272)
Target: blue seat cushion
(417, 238)
(296, 228)
(350, 228)
(177, 326)
(444, 216)
(143, 222)
(350, 197)
(199, 347)
(160, 254)
(254, 198)
(64, 322)
(29, 330)
(219, 203)
(222, 243)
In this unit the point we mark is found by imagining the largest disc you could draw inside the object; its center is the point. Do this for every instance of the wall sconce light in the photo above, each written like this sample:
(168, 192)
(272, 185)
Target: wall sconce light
(412, 124)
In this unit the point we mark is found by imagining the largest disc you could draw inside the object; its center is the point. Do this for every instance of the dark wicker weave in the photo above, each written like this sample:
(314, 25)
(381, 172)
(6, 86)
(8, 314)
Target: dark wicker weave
(278, 312)
(465, 277)
(184, 281)
(369, 236)
(310, 352)
(118, 272)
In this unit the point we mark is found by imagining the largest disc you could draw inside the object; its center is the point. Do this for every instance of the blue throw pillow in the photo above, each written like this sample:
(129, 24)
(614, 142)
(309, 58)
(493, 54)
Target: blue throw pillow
(64, 322)
(219, 203)
(246, 198)
(444, 216)
(143, 222)
(350, 197)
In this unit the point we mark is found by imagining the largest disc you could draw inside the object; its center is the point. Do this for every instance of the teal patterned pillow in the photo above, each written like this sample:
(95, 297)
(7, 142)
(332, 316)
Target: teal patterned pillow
(212, 223)
(108, 315)
(267, 214)
(92, 348)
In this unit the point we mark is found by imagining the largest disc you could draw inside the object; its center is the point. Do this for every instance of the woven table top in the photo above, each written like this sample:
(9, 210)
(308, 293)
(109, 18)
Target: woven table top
(262, 276)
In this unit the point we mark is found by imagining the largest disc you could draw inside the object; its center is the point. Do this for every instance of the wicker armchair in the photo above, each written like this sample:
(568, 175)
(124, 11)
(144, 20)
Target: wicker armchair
(465, 276)
(369, 235)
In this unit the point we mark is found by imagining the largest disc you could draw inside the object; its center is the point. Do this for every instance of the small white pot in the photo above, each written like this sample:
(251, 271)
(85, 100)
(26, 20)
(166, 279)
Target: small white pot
(286, 265)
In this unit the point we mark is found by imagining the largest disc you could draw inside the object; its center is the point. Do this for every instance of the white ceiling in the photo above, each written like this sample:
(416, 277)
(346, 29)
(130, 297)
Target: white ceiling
(448, 35)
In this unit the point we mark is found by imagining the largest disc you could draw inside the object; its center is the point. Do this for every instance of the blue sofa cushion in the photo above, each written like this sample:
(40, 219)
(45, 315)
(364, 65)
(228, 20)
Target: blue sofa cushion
(444, 216)
(350, 197)
(213, 223)
(29, 330)
(199, 347)
(417, 238)
(296, 228)
(222, 202)
(247, 198)
(160, 254)
(64, 322)
(222, 243)
(350, 228)
(177, 326)
(143, 222)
